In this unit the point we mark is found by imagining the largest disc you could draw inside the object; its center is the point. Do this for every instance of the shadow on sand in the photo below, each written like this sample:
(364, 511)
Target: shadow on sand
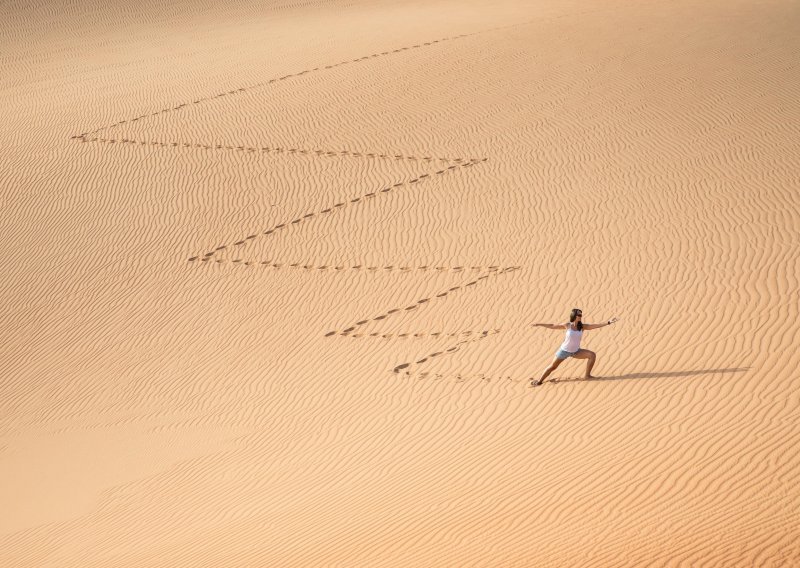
(654, 375)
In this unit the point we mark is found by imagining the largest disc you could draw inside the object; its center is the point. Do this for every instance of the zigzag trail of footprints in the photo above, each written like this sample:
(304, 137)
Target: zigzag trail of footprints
(276, 150)
(456, 162)
(348, 332)
(331, 209)
(490, 270)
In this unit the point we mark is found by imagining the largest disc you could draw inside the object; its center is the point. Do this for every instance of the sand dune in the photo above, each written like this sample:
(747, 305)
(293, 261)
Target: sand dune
(270, 271)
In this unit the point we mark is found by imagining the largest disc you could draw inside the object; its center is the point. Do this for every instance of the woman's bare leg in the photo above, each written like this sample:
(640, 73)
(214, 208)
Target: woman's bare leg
(590, 357)
(553, 366)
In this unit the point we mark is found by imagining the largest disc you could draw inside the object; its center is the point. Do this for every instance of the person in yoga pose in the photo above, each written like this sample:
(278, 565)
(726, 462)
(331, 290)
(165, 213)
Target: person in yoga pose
(572, 344)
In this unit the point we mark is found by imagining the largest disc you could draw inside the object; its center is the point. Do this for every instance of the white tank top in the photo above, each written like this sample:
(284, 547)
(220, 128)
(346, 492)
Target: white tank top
(572, 341)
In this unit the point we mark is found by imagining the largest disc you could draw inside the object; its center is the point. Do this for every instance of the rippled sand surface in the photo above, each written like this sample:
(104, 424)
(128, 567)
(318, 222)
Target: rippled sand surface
(270, 270)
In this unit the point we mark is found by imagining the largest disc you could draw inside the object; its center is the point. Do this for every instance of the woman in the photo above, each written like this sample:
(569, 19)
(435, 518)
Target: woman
(572, 343)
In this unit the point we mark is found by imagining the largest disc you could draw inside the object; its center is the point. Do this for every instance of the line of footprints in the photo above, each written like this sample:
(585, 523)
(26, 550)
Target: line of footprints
(441, 295)
(464, 377)
(328, 210)
(273, 150)
(448, 351)
(418, 334)
(269, 82)
(358, 267)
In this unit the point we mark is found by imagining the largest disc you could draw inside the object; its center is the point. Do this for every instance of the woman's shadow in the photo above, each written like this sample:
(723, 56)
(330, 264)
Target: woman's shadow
(654, 375)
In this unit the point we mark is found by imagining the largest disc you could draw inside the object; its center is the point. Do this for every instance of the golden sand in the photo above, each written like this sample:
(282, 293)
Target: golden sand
(270, 270)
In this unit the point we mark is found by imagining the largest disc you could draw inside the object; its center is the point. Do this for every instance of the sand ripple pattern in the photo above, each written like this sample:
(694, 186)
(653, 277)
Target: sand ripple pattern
(643, 162)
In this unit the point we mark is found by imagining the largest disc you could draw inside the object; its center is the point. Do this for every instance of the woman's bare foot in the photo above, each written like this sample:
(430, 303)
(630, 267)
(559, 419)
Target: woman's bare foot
(535, 383)
(588, 377)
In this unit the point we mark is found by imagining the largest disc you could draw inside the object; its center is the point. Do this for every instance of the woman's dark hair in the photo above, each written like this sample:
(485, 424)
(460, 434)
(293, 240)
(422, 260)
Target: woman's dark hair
(573, 314)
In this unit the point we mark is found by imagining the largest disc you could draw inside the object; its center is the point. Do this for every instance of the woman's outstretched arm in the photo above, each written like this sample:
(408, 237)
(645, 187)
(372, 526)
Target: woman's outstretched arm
(550, 325)
(596, 325)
